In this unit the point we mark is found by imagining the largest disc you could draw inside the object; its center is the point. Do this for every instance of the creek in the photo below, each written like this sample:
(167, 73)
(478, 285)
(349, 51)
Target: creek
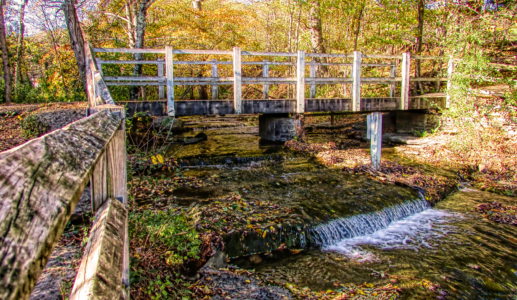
(350, 228)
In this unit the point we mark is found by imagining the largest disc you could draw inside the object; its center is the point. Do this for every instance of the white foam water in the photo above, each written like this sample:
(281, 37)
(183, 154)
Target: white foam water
(364, 224)
(413, 232)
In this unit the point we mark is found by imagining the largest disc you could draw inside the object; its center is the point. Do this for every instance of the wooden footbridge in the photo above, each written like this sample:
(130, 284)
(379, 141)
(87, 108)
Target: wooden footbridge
(305, 85)
(42, 180)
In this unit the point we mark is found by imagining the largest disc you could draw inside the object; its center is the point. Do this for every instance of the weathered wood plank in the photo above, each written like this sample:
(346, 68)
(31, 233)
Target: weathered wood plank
(96, 89)
(100, 272)
(99, 183)
(300, 82)
(237, 80)
(404, 92)
(40, 184)
(169, 69)
(356, 85)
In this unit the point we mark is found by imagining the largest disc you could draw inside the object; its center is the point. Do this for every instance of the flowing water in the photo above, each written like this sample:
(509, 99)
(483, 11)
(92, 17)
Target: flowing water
(363, 231)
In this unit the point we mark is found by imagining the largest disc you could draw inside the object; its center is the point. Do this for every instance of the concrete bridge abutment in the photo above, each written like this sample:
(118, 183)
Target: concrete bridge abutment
(279, 127)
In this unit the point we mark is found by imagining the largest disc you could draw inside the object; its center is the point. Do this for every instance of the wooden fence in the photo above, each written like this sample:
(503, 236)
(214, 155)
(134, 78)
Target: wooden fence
(41, 182)
(169, 80)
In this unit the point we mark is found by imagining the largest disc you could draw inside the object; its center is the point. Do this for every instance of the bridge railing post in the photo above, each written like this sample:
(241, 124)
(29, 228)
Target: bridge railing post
(300, 82)
(312, 74)
(215, 87)
(450, 70)
(393, 70)
(265, 74)
(161, 88)
(404, 92)
(169, 69)
(237, 80)
(356, 84)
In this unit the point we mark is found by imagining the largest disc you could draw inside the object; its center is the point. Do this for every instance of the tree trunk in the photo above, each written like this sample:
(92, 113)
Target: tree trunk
(317, 32)
(420, 35)
(5, 55)
(76, 38)
(19, 47)
(140, 26)
(197, 5)
(357, 25)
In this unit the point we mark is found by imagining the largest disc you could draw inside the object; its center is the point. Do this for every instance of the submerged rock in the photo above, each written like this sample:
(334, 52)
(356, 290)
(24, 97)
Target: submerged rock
(224, 284)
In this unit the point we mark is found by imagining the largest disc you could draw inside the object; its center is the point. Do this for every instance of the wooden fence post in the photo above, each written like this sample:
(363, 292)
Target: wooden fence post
(265, 74)
(356, 85)
(450, 70)
(99, 183)
(169, 69)
(404, 92)
(215, 87)
(392, 75)
(300, 82)
(376, 139)
(237, 80)
(312, 74)
(161, 88)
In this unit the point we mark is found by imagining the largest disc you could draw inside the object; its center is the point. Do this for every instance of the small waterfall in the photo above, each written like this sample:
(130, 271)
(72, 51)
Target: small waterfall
(359, 225)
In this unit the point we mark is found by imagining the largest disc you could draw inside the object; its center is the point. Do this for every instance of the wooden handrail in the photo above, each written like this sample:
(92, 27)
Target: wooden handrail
(40, 184)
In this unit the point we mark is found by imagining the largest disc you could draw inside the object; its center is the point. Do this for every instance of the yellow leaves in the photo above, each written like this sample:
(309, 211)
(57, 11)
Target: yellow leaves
(264, 235)
(247, 281)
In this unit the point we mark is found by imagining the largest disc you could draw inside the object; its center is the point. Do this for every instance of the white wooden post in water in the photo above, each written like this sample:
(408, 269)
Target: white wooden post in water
(368, 127)
(215, 87)
(312, 74)
(356, 85)
(265, 74)
(404, 92)
(376, 139)
(161, 88)
(169, 68)
(450, 70)
(237, 80)
(300, 82)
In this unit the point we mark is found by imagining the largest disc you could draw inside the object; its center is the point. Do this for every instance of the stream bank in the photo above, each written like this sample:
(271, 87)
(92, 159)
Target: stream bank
(265, 202)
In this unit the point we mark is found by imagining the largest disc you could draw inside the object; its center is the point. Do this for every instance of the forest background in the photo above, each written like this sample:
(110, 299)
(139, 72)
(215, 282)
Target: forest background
(39, 41)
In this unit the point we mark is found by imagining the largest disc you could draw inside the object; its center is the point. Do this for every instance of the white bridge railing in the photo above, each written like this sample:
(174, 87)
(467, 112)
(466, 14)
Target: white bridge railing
(168, 79)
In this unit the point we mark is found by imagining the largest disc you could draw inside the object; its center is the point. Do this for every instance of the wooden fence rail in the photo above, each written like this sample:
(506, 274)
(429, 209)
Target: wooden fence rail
(237, 80)
(40, 184)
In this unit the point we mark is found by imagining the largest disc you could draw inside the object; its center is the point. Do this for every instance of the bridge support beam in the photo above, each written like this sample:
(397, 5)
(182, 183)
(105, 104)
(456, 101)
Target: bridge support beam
(277, 127)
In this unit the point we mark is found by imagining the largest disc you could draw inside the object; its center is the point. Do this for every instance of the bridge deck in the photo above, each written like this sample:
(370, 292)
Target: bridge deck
(279, 106)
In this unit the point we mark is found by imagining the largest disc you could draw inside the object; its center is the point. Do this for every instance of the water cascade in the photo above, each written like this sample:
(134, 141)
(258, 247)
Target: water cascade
(364, 224)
